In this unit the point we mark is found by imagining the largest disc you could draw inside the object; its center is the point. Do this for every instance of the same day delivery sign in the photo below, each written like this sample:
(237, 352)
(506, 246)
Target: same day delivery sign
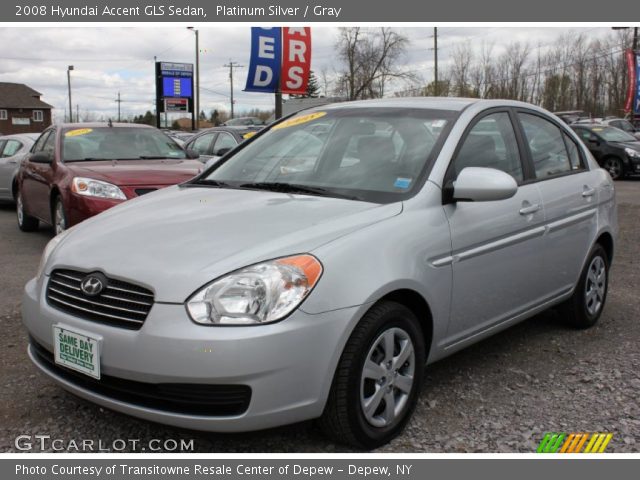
(280, 60)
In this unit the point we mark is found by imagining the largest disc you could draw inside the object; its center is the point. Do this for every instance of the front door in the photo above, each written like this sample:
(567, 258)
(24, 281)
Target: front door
(496, 246)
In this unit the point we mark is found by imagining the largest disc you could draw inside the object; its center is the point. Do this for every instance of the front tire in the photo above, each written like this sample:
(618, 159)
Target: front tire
(585, 306)
(26, 222)
(59, 216)
(378, 379)
(614, 166)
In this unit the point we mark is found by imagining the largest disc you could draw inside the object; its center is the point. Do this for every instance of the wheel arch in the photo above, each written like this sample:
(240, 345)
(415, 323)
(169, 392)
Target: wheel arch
(419, 306)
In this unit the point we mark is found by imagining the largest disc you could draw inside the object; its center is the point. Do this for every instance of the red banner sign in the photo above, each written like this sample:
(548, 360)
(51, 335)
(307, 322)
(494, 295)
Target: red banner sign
(296, 59)
(631, 68)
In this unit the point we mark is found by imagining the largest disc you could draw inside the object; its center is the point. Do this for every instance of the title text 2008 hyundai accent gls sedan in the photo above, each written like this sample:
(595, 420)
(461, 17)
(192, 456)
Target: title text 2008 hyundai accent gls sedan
(317, 269)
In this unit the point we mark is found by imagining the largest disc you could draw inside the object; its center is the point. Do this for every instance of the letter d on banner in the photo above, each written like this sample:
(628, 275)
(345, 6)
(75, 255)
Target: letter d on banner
(264, 69)
(296, 59)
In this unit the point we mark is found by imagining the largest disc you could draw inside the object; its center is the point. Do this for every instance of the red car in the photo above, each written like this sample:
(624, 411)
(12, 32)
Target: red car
(75, 171)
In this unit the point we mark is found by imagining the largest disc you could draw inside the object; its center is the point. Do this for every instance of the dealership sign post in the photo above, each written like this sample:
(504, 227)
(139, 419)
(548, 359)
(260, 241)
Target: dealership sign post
(280, 61)
(174, 89)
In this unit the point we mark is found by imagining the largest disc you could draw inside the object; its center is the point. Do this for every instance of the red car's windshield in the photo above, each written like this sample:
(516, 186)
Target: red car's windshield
(118, 143)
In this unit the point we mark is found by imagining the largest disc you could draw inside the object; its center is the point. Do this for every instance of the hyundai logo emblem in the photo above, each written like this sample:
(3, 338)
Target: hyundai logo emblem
(93, 284)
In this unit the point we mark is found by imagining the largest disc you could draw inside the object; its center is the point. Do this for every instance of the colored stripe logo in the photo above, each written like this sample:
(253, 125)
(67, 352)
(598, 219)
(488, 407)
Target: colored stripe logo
(574, 442)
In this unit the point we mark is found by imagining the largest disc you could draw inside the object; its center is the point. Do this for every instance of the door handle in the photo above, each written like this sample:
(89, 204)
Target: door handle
(588, 192)
(530, 209)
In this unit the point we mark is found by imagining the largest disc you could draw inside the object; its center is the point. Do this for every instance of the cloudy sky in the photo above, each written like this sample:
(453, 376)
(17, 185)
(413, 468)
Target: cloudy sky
(112, 60)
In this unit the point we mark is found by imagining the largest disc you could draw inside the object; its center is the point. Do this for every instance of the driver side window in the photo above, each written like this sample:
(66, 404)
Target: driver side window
(491, 143)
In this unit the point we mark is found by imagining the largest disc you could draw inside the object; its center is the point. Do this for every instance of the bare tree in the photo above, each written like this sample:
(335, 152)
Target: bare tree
(370, 58)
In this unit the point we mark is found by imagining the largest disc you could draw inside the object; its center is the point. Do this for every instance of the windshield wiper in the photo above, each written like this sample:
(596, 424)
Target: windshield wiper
(89, 159)
(295, 188)
(212, 183)
(157, 157)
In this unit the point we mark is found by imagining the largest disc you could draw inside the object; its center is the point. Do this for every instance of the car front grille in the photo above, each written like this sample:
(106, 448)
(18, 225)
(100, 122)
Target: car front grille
(120, 304)
(144, 191)
(183, 398)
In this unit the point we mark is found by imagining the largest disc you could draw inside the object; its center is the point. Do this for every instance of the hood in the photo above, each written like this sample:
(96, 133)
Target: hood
(634, 145)
(138, 172)
(176, 240)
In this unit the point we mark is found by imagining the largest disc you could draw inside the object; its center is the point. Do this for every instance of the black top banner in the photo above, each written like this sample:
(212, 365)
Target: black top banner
(289, 11)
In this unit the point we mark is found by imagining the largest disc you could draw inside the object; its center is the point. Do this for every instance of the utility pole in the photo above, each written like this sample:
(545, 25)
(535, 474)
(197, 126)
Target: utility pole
(435, 61)
(231, 65)
(69, 86)
(197, 93)
(278, 112)
(77, 112)
(118, 101)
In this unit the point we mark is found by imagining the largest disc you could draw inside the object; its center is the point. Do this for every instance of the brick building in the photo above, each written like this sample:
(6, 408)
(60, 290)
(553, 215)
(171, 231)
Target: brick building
(21, 110)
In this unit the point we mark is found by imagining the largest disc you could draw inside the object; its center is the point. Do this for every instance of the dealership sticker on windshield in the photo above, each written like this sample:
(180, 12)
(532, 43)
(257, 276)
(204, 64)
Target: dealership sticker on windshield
(292, 122)
(78, 131)
(402, 183)
(76, 351)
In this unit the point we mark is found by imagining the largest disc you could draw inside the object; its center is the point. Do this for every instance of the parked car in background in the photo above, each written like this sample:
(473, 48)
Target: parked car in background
(75, 171)
(622, 124)
(615, 150)
(12, 149)
(244, 122)
(571, 116)
(267, 295)
(211, 144)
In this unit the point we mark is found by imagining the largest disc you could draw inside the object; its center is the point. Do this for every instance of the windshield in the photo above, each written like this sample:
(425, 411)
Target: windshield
(118, 143)
(611, 134)
(372, 154)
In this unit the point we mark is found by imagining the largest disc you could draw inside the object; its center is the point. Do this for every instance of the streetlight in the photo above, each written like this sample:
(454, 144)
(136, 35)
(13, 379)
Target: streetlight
(69, 86)
(197, 92)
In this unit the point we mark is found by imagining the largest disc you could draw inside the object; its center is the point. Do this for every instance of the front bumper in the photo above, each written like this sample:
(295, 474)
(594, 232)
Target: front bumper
(288, 365)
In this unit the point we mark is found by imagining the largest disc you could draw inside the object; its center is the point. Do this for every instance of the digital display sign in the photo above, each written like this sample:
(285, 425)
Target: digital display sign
(174, 90)
(177, 87)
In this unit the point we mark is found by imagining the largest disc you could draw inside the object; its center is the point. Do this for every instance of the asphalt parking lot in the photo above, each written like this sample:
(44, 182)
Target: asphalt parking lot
(501, 395)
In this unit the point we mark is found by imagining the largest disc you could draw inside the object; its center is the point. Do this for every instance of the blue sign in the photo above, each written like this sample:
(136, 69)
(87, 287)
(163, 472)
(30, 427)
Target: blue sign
(264, 69)
(176, 87)
(636, 103)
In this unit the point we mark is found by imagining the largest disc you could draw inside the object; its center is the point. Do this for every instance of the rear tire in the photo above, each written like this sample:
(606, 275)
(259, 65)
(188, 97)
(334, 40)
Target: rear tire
(378, 378)
(26, 222)
(585, 306)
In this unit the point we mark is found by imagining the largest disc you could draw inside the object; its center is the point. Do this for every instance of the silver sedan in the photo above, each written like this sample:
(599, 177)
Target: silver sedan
(12, 149)
(319, 267)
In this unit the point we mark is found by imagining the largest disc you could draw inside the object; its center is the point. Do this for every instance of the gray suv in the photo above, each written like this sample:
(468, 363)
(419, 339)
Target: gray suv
(316, 270)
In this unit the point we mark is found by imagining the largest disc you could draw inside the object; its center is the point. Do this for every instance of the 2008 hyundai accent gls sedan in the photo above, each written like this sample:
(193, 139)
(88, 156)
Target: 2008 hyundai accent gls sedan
(317, 269)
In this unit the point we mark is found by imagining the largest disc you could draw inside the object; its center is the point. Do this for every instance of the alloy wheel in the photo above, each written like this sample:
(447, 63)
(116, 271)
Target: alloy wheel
(387, 377)
(613, 166)
(60, 222)
(595, 286)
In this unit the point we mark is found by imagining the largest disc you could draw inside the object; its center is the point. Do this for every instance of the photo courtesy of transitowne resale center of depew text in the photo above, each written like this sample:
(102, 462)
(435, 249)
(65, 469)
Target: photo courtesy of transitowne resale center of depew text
(268, 240)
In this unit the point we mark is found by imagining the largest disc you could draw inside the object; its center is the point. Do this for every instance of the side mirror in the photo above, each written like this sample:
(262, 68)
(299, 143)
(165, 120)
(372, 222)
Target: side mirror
(222, 151)
(479, 184)
(192, 154)
(41, 157)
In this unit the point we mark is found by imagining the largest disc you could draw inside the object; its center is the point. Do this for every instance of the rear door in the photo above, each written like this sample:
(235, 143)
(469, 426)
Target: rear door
(496, 246)
(568, 190)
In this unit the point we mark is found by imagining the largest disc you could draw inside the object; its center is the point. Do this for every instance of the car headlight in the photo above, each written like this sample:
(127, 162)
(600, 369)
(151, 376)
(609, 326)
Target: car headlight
(261, 293)
(96, 188)
(632, 153)
(48, 250)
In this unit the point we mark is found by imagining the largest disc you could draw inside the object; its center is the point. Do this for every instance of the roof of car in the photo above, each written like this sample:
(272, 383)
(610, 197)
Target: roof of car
(31, 136)
(589, 125)
(239, 129)
(435, 103)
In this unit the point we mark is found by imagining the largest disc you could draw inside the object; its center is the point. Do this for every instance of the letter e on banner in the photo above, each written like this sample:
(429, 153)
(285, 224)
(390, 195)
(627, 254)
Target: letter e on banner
(296, 59)
(264, 69)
